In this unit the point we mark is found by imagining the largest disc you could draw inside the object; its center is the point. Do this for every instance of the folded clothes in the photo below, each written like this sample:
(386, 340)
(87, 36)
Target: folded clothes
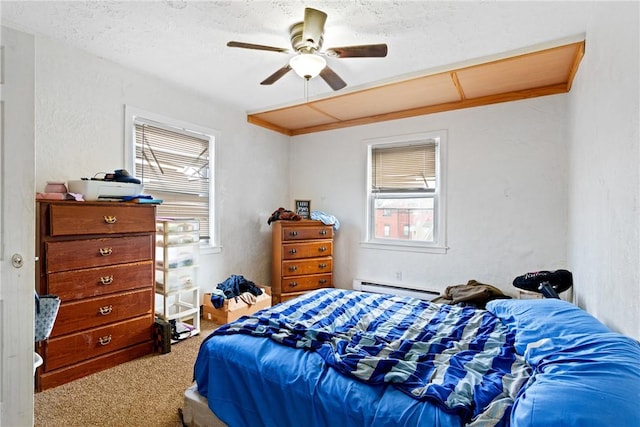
(326, 219)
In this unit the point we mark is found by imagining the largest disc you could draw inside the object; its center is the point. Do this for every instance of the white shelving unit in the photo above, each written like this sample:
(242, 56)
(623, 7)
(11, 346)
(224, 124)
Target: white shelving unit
(177, 253)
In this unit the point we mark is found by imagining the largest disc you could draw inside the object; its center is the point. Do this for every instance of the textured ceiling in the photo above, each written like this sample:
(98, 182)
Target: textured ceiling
(185, 41)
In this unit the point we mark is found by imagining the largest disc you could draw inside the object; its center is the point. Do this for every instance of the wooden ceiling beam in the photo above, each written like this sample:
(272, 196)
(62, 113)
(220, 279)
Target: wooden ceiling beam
(543, 72)
(450, 106)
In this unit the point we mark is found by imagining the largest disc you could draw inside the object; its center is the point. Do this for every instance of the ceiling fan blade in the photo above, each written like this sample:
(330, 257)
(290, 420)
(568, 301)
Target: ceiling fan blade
(361, 51)
(332, 79)
(313, 26)
(257, 47)
(276, 76)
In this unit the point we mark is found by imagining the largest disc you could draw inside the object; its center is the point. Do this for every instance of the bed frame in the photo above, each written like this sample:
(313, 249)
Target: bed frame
(196, 412)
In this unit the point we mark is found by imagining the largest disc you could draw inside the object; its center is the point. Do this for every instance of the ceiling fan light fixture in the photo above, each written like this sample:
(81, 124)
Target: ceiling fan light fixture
(307, 65)
(308, 62)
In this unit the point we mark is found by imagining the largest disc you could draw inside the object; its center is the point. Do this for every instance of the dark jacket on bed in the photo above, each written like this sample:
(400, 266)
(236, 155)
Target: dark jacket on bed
(473, 293)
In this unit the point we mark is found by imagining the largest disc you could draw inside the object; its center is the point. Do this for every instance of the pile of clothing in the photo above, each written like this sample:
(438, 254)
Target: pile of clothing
(235, 287)
(283, 214)
(473, 294)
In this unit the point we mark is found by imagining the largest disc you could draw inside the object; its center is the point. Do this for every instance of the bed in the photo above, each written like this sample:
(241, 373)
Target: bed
(345, 358)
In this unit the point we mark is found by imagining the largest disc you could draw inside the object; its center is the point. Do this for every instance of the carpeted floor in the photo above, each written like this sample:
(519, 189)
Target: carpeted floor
(145, 392)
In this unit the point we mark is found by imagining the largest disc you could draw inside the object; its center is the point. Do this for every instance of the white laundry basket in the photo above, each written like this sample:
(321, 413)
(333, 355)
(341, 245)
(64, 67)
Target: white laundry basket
(37, 361)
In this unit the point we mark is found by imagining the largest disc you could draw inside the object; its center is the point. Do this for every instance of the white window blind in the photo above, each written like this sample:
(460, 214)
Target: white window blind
(404, 168)
(174, 166)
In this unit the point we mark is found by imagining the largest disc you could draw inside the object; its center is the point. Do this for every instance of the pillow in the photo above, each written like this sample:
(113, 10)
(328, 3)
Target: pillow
(537, 319)
(584, 375)
(594, 381)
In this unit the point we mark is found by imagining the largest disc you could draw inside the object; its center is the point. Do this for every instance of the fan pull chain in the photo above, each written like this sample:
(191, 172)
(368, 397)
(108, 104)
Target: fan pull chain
(306, 90)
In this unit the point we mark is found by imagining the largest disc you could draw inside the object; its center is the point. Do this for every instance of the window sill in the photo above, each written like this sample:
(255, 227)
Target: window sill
(404, 247)
(206, 249)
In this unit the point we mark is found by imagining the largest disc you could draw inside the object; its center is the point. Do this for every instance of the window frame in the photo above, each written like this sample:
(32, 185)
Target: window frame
(439, 194)
(135, 115)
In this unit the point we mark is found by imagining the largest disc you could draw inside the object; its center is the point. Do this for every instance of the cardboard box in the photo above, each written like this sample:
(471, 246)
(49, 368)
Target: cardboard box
(233, 309)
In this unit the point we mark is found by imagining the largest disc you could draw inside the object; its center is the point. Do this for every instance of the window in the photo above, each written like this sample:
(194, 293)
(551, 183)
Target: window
(405, 198)
(174, 162)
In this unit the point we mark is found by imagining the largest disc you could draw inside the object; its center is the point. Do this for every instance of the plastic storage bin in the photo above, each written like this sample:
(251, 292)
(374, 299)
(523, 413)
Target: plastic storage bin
(177, 253)
(175, 279)
(177, 256)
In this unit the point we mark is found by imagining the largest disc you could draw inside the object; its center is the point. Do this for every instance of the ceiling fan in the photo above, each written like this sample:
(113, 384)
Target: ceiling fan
(308, 62)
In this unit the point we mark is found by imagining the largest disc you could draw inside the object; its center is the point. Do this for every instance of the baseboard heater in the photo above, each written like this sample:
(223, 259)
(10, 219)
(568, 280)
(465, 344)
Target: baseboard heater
(387, 288)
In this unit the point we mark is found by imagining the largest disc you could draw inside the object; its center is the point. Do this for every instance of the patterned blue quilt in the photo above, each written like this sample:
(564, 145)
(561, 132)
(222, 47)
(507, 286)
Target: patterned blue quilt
(460, 358)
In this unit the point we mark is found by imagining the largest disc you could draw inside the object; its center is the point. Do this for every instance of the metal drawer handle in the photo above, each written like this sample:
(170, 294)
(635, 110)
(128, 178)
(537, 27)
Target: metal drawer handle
(322, 282)
(106, 310)
(293, 251)
(106, 280)
(322, 249)
(110, 219)
(106, 251)
(322, 265)
(323, 232)
(105, 340)
(293, 233)
(293, 268)
(293, 284)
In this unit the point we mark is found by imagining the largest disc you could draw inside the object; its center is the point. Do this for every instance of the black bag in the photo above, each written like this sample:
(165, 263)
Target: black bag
(162, 336)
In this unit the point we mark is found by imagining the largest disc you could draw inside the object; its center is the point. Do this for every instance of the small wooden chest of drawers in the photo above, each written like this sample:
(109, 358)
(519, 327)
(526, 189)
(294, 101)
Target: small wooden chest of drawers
(302, 258)
(98, 257)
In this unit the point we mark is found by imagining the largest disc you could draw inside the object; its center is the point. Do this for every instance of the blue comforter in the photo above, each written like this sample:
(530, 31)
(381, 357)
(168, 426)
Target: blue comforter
(528, 363)
(459, 358)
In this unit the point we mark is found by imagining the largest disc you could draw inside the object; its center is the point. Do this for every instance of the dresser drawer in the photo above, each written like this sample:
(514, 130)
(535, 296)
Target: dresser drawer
(70, 349)
(93, 312)
(307, 283)
(74, 254)
(307, 233)
(77, 219)
(92, 282)
(300, 250)
(307, 266)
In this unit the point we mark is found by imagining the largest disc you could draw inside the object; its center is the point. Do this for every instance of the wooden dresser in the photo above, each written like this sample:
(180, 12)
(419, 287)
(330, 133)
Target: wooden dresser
(98, 257)
(302, 258)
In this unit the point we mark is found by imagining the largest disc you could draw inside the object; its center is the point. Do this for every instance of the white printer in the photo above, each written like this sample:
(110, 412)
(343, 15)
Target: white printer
(92, 189)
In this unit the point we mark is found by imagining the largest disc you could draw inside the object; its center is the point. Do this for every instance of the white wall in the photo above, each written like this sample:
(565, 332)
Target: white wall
(506, 194)
(80, 132)
(604, 232)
